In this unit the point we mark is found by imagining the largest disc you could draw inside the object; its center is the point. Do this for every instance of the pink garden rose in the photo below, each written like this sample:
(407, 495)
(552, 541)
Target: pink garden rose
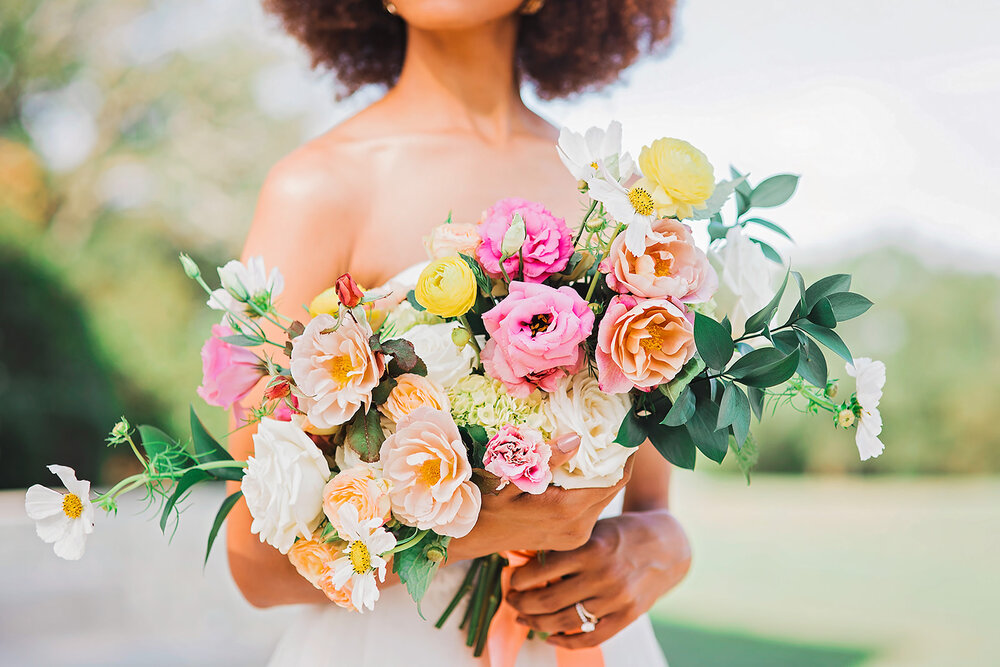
(671, 267)
(534, 337)
(642, 343)
(229, 372)
(430, 475)
(519, 455)
(547, 246)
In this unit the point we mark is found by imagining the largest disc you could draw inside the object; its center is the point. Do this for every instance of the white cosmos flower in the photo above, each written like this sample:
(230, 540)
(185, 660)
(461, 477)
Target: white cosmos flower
(367, 542)
(245, 284)
(583, 154)
(870, 378)
(634, 207)
(64, 519)
(446, 363)
(283, 484)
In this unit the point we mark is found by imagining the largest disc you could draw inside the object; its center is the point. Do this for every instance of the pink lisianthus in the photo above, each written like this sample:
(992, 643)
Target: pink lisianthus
(520, 456)
(547, 246)
(642, 343)
(534, 336)
(229, 371)
(672, 266)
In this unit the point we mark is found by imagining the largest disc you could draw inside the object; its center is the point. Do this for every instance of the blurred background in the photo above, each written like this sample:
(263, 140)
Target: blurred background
(133, 129)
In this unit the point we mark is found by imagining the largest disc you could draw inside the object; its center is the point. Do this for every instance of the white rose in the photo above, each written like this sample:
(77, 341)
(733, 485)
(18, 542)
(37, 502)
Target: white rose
(284, 483)
(446, 362)
(747, 279)
(579, 406)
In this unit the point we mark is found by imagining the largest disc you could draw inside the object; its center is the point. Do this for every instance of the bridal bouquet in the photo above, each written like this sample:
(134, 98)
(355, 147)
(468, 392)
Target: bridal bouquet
(388, 413)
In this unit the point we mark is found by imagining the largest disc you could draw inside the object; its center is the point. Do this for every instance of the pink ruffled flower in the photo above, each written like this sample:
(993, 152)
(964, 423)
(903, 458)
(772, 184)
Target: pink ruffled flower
(672, 266)
(547, 246)
(642, 343)
(229, 371)
(534, 337)
(520, 456)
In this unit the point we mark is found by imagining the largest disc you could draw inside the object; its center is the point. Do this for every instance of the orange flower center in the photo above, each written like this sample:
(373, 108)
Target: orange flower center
(657, 336)
(430, 472)
(539, 323)
(361, 560)
(339, 368)
(662, 267)
(641, 201)
(71, 506)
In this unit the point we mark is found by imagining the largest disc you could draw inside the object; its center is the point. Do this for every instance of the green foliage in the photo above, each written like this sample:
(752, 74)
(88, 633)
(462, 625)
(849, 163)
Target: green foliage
(714, 342)
(207, 449)
(224, 509)
(415, 569)
(365, 435)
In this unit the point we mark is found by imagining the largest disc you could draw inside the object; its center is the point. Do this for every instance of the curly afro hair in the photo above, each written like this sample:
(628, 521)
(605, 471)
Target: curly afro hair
(570, 46)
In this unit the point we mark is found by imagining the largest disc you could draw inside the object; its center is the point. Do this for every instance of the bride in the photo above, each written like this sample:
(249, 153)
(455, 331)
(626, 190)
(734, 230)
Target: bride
(452, 134)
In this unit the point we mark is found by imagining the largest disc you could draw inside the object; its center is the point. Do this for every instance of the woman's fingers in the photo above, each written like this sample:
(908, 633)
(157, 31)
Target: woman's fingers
(540, 570)
(558, 595)
(567, 620)
(607, 627)
(563, 449)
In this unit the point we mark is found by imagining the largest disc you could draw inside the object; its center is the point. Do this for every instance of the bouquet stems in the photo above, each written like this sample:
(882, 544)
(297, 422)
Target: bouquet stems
(484, 581)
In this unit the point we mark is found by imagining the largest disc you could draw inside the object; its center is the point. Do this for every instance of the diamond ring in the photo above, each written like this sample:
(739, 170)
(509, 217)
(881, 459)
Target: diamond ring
(588, 622)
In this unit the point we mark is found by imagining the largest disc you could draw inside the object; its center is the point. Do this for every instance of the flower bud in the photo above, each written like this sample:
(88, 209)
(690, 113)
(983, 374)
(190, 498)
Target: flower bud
(348, 291)
(845, 419)
(435, 554)
(279, 387)
(460, 336)
(514, 237)
(190, 268)
(831, 390)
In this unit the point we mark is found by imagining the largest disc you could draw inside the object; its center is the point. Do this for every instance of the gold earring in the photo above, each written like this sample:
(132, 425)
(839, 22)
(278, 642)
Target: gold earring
(531, 7)
(390, 7)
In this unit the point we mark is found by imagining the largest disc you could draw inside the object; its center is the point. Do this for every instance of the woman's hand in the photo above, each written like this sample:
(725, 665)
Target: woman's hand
(511, 520)
(628, 563)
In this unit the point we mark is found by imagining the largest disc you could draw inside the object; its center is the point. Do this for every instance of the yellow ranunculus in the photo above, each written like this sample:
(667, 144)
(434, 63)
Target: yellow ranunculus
(326, 302)
(447, 287)
(682, 171)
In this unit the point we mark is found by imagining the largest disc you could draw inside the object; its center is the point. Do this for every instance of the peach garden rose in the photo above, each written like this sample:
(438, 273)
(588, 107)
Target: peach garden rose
(425, 462)
(642, 344)
(312, 559)
(335, 369)
(360, 487)
(411, 392)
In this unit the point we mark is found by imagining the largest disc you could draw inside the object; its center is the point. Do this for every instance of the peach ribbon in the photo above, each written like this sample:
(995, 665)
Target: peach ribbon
(506, 635)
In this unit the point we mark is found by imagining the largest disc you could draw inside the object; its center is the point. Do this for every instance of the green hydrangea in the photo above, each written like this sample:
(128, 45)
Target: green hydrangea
(403, 318)
(476, 399)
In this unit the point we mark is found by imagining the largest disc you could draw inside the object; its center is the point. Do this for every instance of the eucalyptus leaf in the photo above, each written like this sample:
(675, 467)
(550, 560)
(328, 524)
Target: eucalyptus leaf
(713, 341)
(756, 396)
(674, 443)
(681, 410)
(812, 364)
(838, 282)
(765, 367)
(822, 314)
(712, 442)
(827, 337)
(774, 191)
(734, 410)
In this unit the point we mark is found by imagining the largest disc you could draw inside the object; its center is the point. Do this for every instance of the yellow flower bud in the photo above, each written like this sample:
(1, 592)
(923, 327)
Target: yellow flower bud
(447, 287)
(460, 336)
(682, 171)
(845, 419)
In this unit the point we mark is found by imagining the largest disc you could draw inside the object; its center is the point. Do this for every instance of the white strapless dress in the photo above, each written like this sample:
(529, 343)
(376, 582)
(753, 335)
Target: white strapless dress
(394, 634)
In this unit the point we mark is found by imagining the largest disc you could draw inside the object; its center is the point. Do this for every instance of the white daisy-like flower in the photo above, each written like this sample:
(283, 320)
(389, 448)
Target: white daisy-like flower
(367, 541)
(245, 284)
(870, 378)
(64, 519)
(634, 207)
(584, 154)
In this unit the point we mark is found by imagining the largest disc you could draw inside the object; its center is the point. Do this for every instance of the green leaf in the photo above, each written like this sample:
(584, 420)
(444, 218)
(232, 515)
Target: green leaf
(716, 228)
(187, 480)
(785, 340)
(404, 358)
(746, 456)
(632, 431)
(207, 449)
(674, 443)
(758, 320)
(774, 227)
(774, 191)
(227, 506)
(365, 435)
(744, 186)
(769, 252)
(155, 441)
(714, 343)
(681, 410)
(742, 203)
(827, 337)
(415, 569)
(712, 442)
(411, 296)
(482, 280)
(839, 282)
(734, 410)
(381, 393)
(812, 364)
(848, 305)
(822, 314)
(765, 367)
(688, 373)
(756, 396)
(242, 340)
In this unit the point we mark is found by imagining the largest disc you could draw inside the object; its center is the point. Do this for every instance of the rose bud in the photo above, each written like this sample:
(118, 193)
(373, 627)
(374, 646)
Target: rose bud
(277, 388)
(348, 291)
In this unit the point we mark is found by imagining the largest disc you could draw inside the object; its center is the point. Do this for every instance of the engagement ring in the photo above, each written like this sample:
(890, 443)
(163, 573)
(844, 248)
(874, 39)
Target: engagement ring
(588, 622)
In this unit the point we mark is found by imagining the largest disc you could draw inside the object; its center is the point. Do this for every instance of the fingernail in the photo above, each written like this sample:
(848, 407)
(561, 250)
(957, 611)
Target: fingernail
(568, 443)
